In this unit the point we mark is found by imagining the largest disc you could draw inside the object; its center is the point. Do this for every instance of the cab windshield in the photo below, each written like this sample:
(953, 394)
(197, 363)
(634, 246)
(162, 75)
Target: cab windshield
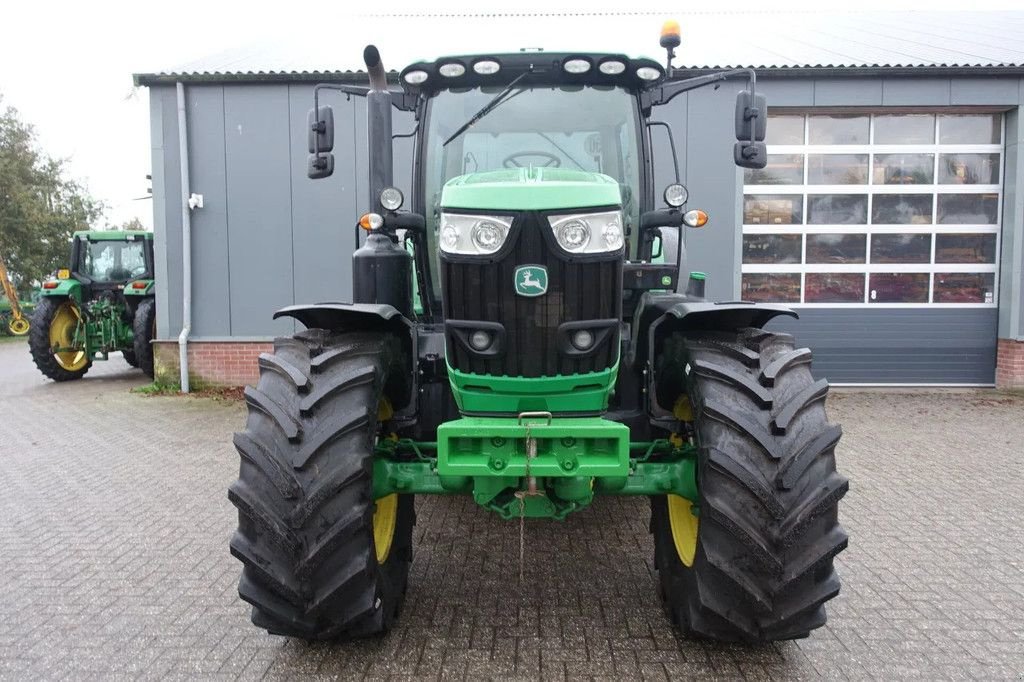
(112, 261)
(589, 128)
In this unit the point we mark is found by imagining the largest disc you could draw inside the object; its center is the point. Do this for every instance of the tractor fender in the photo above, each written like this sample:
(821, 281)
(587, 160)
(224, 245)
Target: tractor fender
(362, 317)
(349, 317)
(658, 315)
(66, 288)
(675, 312)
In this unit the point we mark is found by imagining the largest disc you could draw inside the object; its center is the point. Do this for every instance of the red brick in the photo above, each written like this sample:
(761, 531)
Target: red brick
(1010, 364)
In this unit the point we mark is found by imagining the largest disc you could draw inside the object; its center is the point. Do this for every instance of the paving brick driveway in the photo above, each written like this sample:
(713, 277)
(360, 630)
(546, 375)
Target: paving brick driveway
(114, 524)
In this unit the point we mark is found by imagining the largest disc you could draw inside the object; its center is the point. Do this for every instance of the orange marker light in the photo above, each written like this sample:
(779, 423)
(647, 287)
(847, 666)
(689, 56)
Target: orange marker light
(695, 218)
(63, 273)
(138, 285)
(670, 34)
(50, 285)
(371, 221)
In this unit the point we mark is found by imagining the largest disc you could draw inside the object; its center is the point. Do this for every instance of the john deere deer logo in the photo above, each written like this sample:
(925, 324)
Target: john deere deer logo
(531, 280)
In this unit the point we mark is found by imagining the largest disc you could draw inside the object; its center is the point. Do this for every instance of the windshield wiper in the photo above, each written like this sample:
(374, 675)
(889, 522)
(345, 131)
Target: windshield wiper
(487, 108)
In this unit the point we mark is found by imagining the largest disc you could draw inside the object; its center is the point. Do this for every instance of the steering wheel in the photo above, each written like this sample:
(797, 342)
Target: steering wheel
(553, 161)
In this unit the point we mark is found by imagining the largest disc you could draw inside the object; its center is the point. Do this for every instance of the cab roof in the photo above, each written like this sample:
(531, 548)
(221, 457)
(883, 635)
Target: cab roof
(112, 235)
(546, 68)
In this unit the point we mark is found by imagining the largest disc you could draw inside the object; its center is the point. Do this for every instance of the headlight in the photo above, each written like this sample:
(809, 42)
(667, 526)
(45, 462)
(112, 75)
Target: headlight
(473, 235)
(588, 232)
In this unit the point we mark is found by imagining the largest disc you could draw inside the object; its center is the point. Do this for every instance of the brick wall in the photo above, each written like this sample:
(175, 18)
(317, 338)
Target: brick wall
(1010, 364)
(210, 363)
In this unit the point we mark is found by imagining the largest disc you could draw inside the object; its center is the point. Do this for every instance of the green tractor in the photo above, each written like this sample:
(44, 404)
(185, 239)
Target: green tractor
(528, 334)
(102, 304)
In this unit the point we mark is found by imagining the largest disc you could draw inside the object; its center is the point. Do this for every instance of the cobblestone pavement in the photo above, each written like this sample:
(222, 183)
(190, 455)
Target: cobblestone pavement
(114, 524)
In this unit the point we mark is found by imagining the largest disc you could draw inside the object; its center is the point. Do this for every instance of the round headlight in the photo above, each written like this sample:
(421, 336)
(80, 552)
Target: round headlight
(676, 195)
(648, 73)
(415, 77)
(486, 67)
(391, 198)
(487, 236)
(576, 66)
(480, 339)
(582, 339)
(612, 67)
(612, 234)
(451, 70)
(450, 236)
(573, 235)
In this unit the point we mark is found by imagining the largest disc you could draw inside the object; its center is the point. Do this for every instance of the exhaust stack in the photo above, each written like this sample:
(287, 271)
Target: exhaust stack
(378, 127)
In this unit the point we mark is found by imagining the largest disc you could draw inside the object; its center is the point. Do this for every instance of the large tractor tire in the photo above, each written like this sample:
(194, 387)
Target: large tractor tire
(321, 559)
(144, 330)
(54, 325)
(752, 561)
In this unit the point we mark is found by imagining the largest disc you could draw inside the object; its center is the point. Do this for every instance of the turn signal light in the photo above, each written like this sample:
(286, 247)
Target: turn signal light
(138, 285)
(695, 218)
(50, 285)
(371, 221)
(63, 273)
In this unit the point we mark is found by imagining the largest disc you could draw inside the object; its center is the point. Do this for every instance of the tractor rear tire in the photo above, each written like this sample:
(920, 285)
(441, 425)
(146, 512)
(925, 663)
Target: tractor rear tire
(761, 566)
(39, 342)
(321, 559)
(144, 330)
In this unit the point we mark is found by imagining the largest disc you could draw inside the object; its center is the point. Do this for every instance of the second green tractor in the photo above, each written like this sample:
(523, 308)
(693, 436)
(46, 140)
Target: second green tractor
(529, 334)
(103, 303)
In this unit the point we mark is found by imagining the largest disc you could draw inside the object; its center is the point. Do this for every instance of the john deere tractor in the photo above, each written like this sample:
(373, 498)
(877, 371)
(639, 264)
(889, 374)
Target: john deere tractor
(528, 334)
(103, 303)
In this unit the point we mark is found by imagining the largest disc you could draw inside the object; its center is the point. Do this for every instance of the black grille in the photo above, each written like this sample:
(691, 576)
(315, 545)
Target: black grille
(587, 290)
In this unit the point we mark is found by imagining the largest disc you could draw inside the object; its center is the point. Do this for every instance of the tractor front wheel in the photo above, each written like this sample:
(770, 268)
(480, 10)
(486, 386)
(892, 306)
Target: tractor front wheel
(144, 329)
(752, 559)
(321, 558)
(57, 340)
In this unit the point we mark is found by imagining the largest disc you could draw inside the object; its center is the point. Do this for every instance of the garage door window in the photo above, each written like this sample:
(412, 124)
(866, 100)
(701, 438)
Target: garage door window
(893, 209)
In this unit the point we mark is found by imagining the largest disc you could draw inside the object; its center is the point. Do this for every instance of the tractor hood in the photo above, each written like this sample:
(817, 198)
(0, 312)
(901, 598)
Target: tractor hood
(530, 189)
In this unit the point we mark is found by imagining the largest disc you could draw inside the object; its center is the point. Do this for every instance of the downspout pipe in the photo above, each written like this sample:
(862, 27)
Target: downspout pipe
(186, 241)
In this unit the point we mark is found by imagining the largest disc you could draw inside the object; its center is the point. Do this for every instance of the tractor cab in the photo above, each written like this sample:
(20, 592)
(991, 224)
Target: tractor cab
(107, 260)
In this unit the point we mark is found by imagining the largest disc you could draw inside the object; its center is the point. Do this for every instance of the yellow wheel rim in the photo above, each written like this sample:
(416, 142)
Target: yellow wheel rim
(684, 527)
(62, 335)
(18, 327)
(385, 518)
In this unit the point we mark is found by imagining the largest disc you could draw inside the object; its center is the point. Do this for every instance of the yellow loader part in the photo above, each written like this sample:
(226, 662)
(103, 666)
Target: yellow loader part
(18, 324)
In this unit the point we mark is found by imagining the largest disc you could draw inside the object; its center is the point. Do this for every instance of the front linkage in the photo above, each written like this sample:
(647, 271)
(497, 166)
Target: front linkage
(535, 466)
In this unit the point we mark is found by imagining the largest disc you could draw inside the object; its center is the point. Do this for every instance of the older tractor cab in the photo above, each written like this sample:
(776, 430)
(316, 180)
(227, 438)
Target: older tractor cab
(528, 334)
(103, 303)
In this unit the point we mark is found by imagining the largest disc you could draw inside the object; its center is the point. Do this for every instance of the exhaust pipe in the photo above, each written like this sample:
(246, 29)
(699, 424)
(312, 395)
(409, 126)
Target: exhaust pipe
(378, 128)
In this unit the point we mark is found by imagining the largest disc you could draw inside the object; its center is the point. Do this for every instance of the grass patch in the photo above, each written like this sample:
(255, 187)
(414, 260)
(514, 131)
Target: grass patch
(222, 393)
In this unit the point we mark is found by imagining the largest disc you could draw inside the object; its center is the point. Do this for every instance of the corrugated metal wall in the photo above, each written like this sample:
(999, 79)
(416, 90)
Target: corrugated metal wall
(269, 237)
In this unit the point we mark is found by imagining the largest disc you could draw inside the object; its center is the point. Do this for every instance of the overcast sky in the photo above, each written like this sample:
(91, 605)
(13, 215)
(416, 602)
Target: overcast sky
(66, 66)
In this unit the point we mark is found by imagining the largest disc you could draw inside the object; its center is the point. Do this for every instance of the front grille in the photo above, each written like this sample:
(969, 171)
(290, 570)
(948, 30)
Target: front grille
(590, 290)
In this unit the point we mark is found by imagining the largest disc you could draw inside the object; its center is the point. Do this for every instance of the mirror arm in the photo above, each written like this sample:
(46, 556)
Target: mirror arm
(666, 92)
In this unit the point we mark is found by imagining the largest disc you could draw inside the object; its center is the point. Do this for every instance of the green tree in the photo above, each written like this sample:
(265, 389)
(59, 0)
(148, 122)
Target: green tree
(133, 225)
(40, 206)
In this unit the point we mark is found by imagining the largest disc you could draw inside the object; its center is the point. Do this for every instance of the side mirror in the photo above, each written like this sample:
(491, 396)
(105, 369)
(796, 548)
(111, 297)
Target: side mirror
(320, 165)
(751, 116)
(750, 154)
(320, 129)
